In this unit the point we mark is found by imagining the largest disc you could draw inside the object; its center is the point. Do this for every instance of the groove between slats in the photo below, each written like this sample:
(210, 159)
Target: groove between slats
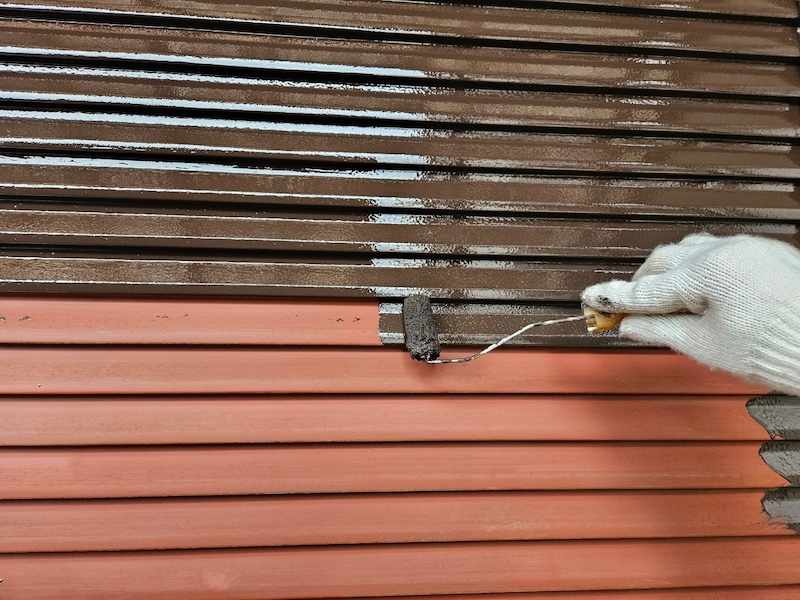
(227, 419)
(150, 524)
(328, 468)
(118, 89)
(418, 21)
(330, 58)
(407, 569)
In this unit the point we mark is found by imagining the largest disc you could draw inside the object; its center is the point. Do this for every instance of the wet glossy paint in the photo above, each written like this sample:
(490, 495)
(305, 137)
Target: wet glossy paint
(420, 20)
(316, 163)
(320, 160)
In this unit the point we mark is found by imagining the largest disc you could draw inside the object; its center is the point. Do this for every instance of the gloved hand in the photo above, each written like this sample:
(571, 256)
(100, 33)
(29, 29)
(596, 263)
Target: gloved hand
(731, 303)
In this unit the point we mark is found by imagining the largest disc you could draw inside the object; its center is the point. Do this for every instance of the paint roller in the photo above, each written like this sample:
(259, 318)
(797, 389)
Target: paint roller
(422, 339)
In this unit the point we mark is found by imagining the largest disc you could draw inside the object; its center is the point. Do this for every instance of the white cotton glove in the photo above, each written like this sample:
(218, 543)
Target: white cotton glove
(731, 303)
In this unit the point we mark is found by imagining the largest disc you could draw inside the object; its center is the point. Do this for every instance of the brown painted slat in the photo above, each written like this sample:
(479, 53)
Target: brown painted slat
(326, 468)
(102, 370)
(784, 458)
(331, 58)
(384, 233)
(406, 569)
(120, 181)
(123, 89)
(784, 9)
(377, 277)
(67, 319)
(482, 324)
(226, 419)
(492, 23)
(412, 147)
(151, 524)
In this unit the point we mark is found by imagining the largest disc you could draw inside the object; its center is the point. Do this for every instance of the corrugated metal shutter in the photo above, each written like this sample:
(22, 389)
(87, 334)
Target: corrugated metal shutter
(499, 156)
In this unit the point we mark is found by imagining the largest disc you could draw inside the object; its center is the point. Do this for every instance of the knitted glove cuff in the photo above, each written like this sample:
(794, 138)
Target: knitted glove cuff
(774, 359)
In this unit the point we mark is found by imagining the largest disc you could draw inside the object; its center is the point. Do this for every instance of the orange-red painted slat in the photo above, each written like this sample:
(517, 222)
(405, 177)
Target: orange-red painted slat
(287, 469)
(151, 524)
(64, 370)
(123, 320)
(404, 569)
(226, 419)
(772, 592)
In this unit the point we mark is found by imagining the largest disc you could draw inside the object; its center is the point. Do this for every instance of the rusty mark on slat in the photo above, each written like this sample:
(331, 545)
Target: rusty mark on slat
(117, 89)
(482, 23)
(430, 63)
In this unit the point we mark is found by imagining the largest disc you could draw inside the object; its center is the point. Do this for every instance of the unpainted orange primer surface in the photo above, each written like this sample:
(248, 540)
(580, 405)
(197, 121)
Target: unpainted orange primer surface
(405, 569)
(66, 319)
(228, 522)
(225, 419)
(183, 370)
(314, 468)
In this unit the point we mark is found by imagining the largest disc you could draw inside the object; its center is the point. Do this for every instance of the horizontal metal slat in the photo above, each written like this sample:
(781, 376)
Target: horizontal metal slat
(292, 469)
(262, 370)
(467, 324)
(66, 319)
(117, 89)
(480, 23)
(373, 233)
(413, 147)
(261, 54)
(420, 569)
(226, 419)
(130, 90)
(151, 524)
(112, 181)
(777, 9)
(378, 277)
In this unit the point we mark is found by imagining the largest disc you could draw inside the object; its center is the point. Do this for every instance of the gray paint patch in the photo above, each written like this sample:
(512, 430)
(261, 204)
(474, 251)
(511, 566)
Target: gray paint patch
(783, 506)
(784, 459)
(779, 414)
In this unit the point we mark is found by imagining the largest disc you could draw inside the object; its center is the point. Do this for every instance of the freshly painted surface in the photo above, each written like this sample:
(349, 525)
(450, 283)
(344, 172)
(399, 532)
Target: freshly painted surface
(420, 21)
(496, 158)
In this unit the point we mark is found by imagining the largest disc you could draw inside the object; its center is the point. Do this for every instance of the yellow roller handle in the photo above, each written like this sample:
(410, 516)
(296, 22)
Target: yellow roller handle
(598, 322)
